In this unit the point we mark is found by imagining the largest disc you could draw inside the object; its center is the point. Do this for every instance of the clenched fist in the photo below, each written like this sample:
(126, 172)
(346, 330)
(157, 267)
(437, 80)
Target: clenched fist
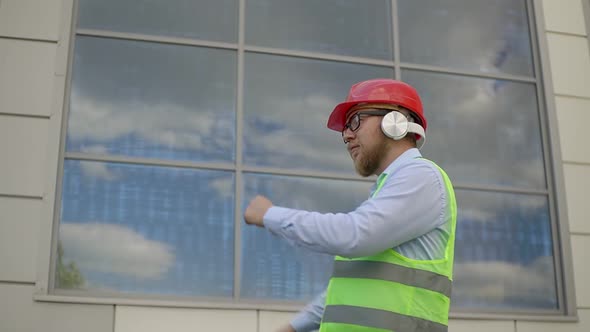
(255, 211)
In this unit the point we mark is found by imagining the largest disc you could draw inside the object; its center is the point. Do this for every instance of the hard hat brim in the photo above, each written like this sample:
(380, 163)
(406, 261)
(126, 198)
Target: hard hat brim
(337, 118)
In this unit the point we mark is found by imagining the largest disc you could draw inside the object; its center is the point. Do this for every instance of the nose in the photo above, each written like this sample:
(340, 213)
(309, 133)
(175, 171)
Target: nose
(348, 135)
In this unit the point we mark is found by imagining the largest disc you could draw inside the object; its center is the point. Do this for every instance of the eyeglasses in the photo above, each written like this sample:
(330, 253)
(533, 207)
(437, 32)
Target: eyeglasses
(355, 121)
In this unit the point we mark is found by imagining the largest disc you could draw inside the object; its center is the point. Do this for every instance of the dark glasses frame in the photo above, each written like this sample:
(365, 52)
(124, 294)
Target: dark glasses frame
(354, 122)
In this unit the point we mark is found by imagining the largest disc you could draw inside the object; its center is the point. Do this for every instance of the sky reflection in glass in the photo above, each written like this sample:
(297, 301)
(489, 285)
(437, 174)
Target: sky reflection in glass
(489, 36)
(482, 131)
(352, 28)
(172, 18)
(142, 99)
(503, 252)
(143, 229)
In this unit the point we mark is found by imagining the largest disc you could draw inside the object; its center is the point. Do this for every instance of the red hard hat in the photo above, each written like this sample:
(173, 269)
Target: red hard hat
(381, 91)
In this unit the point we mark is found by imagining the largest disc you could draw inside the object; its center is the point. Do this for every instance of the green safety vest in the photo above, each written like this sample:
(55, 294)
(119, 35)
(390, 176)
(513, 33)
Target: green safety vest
(391, 292)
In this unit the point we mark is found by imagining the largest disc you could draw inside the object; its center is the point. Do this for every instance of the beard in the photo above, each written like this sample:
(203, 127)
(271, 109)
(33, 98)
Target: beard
(369, 160)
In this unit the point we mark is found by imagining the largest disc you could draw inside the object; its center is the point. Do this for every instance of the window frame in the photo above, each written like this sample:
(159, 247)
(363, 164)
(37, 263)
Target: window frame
(586, 9)
(550, 139)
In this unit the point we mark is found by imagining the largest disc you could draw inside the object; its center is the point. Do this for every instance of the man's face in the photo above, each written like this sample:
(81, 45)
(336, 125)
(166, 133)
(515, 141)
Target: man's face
(366, 145)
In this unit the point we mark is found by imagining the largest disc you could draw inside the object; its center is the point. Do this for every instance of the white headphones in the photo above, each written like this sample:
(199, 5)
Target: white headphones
(396, 125)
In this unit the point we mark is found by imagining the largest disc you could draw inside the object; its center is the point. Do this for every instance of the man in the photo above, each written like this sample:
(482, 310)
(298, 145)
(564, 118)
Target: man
(394, 253)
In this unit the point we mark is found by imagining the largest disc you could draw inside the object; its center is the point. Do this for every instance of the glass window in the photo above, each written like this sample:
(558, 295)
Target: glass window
(503, 252)
(136, 229)
(485, 36)
(272, 269)
(153, 160)
(354, 27)
(482, 131)
(215, 20)
(287, 101)
(153, 100)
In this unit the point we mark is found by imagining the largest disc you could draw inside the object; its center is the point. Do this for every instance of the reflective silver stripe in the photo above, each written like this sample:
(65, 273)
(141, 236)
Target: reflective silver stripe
(391, 272)
(380, 319)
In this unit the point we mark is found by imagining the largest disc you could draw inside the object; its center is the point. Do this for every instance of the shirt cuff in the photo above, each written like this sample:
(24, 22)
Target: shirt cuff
(273, 218)
(304, 322)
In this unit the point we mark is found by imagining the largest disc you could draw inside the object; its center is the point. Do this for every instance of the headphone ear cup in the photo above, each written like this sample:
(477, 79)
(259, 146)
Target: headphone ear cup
(395, 125)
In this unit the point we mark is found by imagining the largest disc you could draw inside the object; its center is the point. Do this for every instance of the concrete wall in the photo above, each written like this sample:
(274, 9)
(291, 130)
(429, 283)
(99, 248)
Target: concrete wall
(34, 38)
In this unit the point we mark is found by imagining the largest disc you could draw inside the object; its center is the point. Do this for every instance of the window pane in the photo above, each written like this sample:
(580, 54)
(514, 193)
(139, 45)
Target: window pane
(503, 255)
(152, 100)
(354, 27)
(486, 36)
(215, 20)
(482, 131)
(287, 102)
(271, 269)
(141, 229)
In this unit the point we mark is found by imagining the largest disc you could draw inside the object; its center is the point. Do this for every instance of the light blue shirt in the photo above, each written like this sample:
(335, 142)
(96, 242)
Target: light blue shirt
(409, 213)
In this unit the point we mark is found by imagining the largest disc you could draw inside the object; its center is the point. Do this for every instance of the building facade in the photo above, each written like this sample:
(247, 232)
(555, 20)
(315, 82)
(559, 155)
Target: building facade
(100, 102)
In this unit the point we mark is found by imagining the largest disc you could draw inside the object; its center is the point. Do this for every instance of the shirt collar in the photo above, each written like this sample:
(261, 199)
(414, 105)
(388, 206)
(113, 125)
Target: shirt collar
(402, 159)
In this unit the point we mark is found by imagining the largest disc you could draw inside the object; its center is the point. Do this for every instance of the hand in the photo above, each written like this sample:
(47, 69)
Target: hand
(286, 328)
(255, 211)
